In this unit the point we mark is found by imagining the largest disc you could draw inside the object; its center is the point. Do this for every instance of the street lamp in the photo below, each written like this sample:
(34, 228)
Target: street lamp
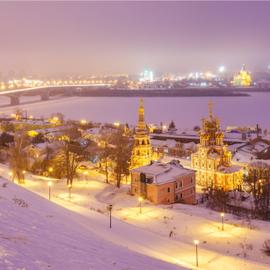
(69, 190)
(23, 173)
(140, 199)
(11, 176)
(49, 185)
(50, 169)
(196, 243)
(110, 211)
(222, 220)
(85, 175)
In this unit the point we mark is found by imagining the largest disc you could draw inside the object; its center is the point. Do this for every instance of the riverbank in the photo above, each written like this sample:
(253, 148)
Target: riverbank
(189, 92)
(185, 111)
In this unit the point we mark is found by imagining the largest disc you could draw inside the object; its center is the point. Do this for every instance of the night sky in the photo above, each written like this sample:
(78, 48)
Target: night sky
(126, 37)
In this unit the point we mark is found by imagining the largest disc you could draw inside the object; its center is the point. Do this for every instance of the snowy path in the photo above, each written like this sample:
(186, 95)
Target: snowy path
(144, 233)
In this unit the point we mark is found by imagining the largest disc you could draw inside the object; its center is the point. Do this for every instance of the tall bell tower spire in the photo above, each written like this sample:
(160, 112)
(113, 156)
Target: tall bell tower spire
(142, 149)
(141, 123)
(210, 109)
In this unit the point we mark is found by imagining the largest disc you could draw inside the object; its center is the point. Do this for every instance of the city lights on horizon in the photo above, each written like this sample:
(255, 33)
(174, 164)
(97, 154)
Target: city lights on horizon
(146, 79)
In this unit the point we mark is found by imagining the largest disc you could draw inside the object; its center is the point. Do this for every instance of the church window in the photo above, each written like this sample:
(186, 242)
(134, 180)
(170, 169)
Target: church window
(169, 190)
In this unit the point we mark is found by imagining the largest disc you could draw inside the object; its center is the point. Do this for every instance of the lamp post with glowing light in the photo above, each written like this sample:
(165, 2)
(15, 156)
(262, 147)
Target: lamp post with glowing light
(85, 175)
(196, 243)
(140, 199)
(110, 211)
(69, 190)
(222, 221)
(11, 176)
(23, 173)
(49, 185)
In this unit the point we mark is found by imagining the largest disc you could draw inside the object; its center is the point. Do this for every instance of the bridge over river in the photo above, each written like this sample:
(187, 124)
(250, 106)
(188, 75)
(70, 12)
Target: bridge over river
(106, 90)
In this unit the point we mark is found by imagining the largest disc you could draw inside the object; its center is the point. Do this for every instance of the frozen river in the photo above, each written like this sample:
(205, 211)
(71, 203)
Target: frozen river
(185, 111)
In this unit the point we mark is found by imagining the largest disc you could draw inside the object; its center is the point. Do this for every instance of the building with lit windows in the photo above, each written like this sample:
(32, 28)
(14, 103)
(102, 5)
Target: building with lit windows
(164, 183)
(142, 149)
(212, 161)
(147, 76)
(242, 78)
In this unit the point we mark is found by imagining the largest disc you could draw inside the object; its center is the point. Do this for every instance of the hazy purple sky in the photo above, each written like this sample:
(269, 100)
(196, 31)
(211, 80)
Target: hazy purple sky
(112, 37)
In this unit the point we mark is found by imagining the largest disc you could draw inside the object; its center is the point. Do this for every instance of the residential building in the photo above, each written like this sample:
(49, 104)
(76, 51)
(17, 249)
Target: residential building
(164, 183)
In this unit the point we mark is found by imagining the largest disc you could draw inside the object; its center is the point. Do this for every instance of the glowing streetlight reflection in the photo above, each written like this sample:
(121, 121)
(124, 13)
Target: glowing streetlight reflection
(140, 199)
(50, 185)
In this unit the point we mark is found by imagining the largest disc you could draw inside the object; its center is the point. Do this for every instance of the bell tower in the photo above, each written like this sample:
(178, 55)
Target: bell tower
(142, 149)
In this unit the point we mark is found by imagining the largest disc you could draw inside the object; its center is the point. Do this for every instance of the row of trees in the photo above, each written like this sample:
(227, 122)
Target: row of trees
(64, 162)
(114, 153)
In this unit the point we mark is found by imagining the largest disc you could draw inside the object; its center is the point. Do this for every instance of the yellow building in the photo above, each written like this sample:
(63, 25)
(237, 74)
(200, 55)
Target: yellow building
(212, 161)
(142, 149)
(242, 78)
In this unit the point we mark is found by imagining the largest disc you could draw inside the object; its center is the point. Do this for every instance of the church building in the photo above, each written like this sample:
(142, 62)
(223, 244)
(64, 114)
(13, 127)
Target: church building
(242, 78)
(212, 161)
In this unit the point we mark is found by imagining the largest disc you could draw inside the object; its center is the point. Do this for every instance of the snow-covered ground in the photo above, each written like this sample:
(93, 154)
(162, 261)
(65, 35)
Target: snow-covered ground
(37, 234)
(239, 246)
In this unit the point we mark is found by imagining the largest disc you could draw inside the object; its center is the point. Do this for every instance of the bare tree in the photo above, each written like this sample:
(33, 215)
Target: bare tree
(106, 151)
(259, 179)
(72, 154)
(121, 155)
(18, 160)
(218, 199)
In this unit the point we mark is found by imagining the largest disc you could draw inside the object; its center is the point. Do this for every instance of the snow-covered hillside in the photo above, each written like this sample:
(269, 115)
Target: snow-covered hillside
(38, 234)
(83, 219)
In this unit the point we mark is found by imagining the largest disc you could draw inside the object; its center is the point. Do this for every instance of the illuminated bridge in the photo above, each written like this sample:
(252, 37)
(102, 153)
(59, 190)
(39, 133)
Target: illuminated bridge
(46, 91)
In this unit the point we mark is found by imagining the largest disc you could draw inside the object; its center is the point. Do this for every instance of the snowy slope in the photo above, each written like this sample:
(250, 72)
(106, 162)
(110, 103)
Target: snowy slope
(38, 234)
(238, 246)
